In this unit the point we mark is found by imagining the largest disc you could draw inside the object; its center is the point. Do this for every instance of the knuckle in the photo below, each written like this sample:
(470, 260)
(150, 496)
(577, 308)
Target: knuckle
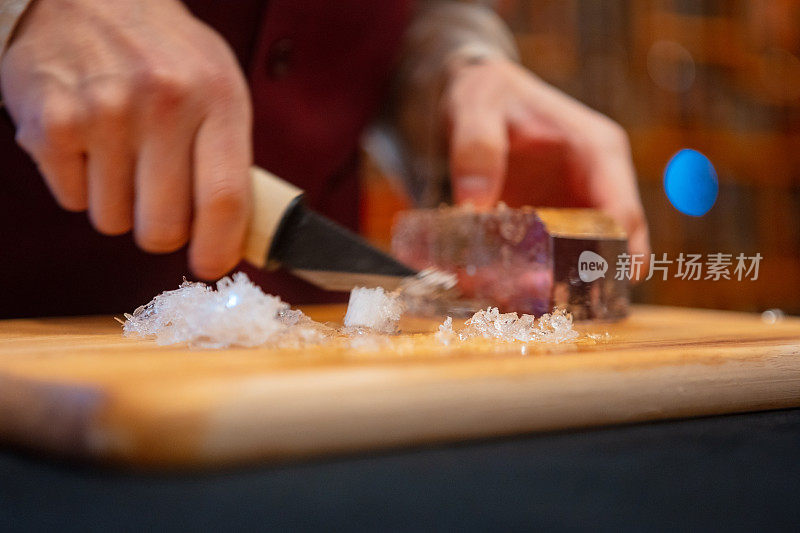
(161, 236)
(454, 97)
(69, 194)
(632, 218)
(478, 149)
(637, 219)
(209, 257)
(223, 83)
(165, 89)
(108, 100)
(71, 204)
(211, 266)
(48, 135)
(111, 218)
(226, 202)
(614, 135)
(111, 225)
(57, 126)
(483, 145)
(28, 139)
(71, 200)
(465, 85)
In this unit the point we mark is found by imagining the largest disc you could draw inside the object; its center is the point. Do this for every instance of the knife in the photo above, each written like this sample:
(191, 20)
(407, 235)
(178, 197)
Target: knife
(284, 232)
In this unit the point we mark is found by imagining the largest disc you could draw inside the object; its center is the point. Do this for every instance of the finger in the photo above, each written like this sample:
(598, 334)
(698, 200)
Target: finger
(110, 177)
(614, 187)
(478, 154)
(222, 159)
(110, 187)
(65, 176)
(52, 132)
(163, 187)
(527, 130)
(639, 239)
(111, 161)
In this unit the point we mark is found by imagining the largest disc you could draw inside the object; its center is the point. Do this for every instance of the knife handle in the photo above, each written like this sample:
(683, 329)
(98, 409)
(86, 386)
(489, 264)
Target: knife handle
(272, 198)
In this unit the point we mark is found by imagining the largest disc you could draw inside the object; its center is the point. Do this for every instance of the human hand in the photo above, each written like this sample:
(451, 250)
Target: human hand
(514, 137)
(138, 112)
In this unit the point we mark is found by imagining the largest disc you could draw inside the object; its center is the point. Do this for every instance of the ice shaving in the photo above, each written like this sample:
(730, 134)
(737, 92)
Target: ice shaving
(239, 314)
(490, 323)
(375, 309)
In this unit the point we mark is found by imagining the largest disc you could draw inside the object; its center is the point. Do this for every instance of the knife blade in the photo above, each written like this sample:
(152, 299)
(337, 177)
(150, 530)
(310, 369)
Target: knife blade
(285, 232)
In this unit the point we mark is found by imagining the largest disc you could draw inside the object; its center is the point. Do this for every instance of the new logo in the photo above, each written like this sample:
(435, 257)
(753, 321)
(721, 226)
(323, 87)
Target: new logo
(591, 266)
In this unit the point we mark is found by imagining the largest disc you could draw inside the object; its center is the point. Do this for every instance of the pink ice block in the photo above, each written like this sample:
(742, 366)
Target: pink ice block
(523, 260)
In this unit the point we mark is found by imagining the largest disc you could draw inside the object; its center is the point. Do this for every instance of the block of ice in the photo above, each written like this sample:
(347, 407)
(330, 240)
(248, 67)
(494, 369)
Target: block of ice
(376, 309)
(524, 259)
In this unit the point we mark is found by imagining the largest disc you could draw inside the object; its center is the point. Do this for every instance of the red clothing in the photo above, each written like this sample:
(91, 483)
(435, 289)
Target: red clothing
(318, 71)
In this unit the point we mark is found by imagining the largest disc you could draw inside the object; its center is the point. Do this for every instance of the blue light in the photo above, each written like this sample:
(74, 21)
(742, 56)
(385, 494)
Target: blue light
(690, 182)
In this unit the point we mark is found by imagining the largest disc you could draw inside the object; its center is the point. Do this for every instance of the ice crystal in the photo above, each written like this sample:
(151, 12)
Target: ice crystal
(375, 309)
(446, 335)
(555, 327)
(237, 313)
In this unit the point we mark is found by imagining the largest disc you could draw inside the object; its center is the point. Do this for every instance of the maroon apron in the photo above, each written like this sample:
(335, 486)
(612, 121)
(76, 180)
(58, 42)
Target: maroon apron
(318, 71)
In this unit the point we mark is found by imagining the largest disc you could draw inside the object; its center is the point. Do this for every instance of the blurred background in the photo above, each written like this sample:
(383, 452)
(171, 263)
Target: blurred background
(718, 76)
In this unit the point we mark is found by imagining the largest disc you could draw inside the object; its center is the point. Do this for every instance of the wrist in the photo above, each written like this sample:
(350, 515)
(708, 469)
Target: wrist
(472, 54)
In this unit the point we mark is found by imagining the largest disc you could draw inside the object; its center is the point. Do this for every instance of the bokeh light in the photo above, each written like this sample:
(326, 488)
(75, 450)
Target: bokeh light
(690, 182)
(670, 66)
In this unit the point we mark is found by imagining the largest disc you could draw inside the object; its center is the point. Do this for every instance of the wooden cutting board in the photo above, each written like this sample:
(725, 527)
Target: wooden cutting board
(77, 387)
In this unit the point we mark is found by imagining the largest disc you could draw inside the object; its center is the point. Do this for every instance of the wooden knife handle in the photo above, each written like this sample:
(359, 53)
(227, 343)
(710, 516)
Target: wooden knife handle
(272, 197)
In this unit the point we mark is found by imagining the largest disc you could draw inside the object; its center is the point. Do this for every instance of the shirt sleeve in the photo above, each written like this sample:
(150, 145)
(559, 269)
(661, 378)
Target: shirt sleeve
(408, 141)
(10, 13)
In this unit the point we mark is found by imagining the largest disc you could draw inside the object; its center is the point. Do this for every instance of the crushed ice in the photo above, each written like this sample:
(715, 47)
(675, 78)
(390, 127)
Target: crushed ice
(555, 327)
(238, 313)
(446, 335)
(375, 309)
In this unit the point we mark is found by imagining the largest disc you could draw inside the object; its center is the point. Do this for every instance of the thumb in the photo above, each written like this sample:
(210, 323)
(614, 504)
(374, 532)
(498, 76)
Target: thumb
(478, 155)
(613, 182)
(638, 239)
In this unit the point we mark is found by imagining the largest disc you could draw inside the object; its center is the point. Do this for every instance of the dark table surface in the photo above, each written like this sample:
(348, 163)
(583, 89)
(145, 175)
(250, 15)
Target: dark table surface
(726, 473)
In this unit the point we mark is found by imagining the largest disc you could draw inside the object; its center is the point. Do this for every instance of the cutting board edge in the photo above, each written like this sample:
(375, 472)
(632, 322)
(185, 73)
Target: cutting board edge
(27, 406)
(242, 431)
